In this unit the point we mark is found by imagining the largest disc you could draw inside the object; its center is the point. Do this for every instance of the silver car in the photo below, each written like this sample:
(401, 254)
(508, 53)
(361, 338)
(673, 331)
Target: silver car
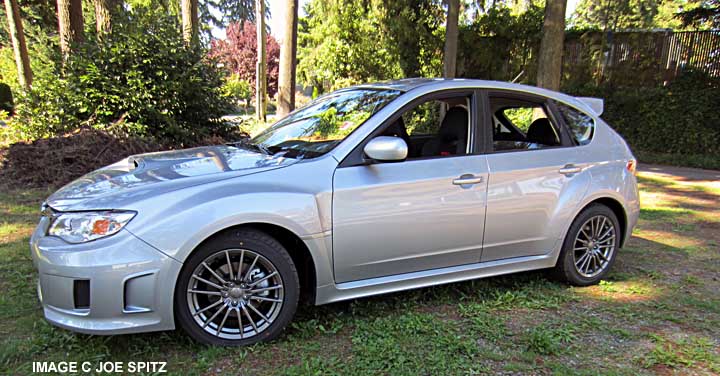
(367, 190)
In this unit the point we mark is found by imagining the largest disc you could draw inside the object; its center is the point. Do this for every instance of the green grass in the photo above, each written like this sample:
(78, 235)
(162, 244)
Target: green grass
(657, 312)
(547, 340)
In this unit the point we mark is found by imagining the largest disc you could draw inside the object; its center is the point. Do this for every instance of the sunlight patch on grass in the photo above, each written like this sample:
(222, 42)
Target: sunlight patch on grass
(671, 239)
(12, 232)
(649, 178)
(654, 199)
(622, 291)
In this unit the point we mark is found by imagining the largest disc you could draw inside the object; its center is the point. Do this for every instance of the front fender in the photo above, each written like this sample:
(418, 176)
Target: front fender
(297, 213)
(177, 223)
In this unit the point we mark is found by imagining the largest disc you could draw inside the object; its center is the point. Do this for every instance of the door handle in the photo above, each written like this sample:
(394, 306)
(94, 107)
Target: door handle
(570, 169)
(468, 179)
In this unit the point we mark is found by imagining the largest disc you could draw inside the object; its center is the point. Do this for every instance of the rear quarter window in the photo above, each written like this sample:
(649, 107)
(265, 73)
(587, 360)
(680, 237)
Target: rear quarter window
(581, 125)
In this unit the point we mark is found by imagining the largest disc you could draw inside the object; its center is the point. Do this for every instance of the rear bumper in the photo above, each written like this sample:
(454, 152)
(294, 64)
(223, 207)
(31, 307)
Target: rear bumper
(131, 284)
(632, 209)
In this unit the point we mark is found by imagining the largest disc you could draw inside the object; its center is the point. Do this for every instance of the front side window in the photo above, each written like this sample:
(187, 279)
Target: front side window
(522, 125)
(581, 125)
(317, 128)
(434, 128)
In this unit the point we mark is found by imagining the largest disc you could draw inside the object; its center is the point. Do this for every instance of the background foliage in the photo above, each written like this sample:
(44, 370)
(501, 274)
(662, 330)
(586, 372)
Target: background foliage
(140, 80)
(680, 119)
(238, 54)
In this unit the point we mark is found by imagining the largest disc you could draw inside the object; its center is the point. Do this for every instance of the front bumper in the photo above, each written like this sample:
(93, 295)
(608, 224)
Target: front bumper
(131, 284)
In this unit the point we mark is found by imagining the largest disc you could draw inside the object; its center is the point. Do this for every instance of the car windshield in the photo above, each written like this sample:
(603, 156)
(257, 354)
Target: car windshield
(321, 125)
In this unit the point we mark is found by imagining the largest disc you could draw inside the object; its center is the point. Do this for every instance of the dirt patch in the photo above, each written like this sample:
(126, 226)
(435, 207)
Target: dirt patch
(55, 161)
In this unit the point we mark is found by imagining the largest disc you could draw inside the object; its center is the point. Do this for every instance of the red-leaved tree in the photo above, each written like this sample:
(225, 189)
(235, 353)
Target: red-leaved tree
(238, 53)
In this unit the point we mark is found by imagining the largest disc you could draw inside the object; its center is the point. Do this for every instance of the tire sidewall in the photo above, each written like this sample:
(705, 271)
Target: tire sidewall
(567, 257)
(257, 242)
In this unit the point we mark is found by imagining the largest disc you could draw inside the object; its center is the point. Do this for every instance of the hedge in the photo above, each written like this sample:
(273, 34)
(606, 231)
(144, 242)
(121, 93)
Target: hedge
(681, 119)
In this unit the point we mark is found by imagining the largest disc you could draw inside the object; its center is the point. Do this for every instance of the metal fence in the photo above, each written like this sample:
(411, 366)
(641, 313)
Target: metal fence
(639, 58)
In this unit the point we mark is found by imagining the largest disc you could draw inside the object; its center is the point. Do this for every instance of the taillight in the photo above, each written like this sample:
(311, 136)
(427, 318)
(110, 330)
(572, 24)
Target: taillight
(631, 166)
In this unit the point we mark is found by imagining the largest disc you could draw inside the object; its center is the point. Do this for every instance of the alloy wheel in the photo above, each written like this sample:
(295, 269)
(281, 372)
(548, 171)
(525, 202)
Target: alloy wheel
(594, 246)
(235, 294)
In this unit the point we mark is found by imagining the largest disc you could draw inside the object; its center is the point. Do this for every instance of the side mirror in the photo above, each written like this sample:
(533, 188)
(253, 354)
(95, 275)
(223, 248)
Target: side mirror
(386, 149)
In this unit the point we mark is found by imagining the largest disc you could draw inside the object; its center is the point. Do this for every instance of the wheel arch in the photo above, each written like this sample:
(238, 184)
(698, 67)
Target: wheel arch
(617, 208)
(294, 244)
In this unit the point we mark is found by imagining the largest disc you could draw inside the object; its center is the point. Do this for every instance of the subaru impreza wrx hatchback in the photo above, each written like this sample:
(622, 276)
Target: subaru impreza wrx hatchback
(367, 190)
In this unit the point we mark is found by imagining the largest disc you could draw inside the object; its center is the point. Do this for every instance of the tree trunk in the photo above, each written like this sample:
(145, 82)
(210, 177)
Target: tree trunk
(104, 10)
(260, 69)
(70, 25)
(288, 56)
(22, 61)
(551, 46)
(190, 22)
(451, 39)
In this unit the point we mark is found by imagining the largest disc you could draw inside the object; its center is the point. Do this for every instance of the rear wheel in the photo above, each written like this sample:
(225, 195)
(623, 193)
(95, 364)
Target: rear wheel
(239, 288)
(590, 247)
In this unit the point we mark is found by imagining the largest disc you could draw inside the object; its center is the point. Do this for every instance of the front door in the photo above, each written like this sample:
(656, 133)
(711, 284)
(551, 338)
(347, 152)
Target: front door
(424, 213)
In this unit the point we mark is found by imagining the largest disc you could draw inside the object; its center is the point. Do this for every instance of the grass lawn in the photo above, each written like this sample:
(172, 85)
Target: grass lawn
(657, 313)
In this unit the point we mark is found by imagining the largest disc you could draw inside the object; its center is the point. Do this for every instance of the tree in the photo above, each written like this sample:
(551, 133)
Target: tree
(706, 15)
(220, 13)
(22, 61)
(415, 28)
(70, 25)
(341, 43)
(260, 79)
(39, 15)
(451, 39)
(551, 45)
(238, 54)
(501, 44)
(616, 14)
(189, 9)
(288, 56)
(104, 10)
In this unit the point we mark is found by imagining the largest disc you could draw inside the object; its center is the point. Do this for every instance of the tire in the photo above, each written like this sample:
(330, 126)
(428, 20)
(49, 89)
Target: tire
(585, 267)
(239, 306)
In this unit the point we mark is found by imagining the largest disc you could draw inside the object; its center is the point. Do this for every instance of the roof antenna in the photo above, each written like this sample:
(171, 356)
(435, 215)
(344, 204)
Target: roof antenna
(518, 76)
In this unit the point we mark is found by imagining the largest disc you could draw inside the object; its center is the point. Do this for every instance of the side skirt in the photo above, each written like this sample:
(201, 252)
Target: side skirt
(383, 285)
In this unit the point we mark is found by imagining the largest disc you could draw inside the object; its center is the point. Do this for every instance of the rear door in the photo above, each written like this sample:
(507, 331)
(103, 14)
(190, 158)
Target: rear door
(536, 176)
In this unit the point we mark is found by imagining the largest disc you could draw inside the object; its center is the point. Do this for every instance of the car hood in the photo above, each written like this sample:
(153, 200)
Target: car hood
(146, 175)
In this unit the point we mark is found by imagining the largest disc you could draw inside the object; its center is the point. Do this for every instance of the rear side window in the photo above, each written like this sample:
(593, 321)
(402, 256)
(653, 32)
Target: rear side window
(581, 125)
(520, 124)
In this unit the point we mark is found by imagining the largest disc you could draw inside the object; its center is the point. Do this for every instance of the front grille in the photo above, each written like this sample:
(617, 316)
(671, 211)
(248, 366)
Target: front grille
(81, 293)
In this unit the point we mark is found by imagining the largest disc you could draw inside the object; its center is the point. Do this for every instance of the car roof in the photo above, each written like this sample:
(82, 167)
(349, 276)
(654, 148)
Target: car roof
(408, 84)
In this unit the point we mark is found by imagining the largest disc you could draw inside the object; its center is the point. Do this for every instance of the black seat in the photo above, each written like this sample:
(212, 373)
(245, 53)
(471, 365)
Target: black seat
(397, 129)
(452, 136)
(541, 132)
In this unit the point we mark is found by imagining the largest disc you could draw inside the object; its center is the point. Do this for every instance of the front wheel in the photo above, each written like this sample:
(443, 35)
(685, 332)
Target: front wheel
(239, 288)
(590, 247)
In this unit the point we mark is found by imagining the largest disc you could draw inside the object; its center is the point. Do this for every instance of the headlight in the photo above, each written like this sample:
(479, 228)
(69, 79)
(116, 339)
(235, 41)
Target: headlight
(86, 226)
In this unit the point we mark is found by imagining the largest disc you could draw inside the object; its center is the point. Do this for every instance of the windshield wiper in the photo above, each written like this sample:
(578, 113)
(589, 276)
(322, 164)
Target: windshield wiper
(245, 143)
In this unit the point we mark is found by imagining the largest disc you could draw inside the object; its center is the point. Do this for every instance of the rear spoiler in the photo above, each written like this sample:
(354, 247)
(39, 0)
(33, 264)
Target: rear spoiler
(597, 105)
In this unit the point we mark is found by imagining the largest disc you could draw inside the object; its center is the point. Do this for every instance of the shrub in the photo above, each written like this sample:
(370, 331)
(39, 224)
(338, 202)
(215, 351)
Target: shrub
(236, 89)
(141, 80)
